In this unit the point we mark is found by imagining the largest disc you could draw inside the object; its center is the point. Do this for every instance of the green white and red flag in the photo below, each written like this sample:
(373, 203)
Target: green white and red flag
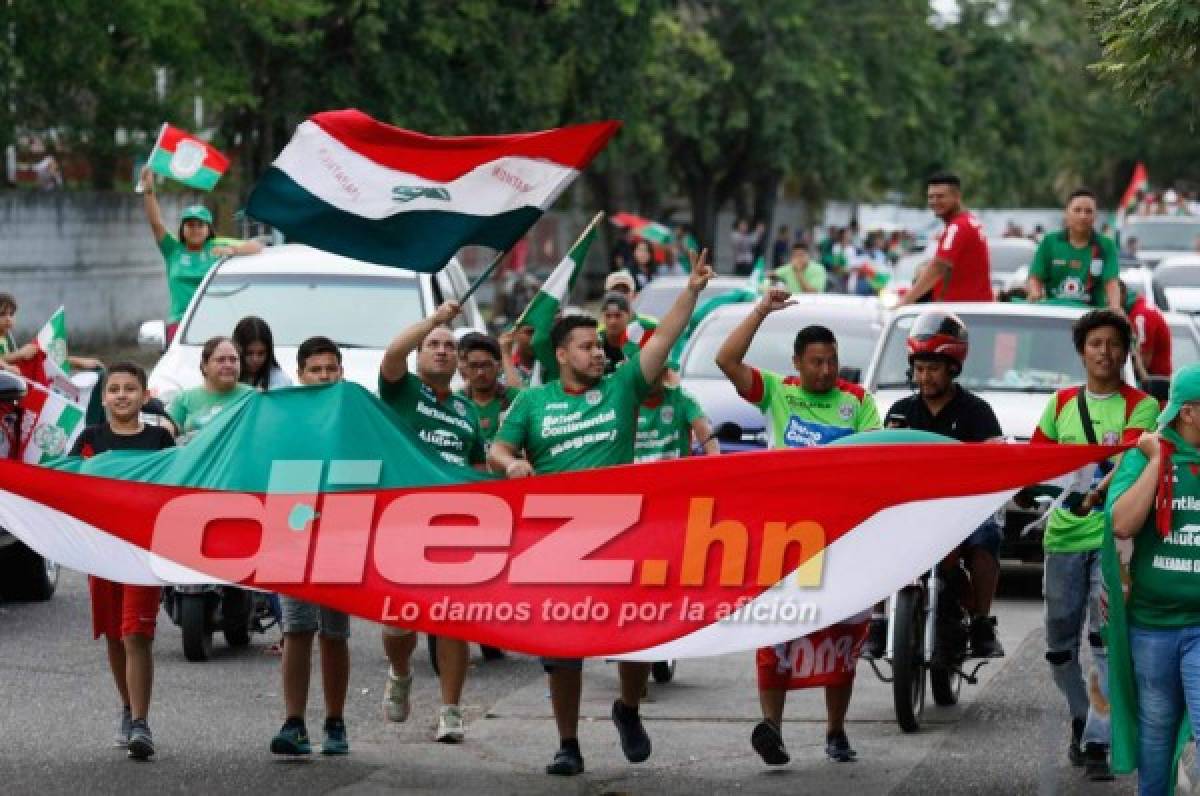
(181, 156)
(1138, 183)
(49, 424)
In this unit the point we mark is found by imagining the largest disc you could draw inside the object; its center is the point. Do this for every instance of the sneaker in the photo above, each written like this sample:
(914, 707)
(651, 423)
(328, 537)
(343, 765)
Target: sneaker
(876, 646)
(1096, 759)
(768, 742)
(292, 739)
(837, 748)
(635, 743)
(451, 728)
(983, 641)
(492, 653)
(396, 705)
(1075, 750)
(568, 762)
(124, 727)
(141, 742)
(336, 742)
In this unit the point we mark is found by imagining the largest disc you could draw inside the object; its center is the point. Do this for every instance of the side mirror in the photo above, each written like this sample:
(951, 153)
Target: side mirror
(1157, 386)
(12, 387)
(153, 335)
(852, 375)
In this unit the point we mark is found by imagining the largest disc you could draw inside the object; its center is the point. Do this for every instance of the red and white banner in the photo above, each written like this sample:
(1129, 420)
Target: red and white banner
(685, 558)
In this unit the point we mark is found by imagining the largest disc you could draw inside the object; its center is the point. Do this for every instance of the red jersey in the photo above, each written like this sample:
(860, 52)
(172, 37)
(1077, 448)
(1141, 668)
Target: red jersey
(1154, 337)
(964, 246)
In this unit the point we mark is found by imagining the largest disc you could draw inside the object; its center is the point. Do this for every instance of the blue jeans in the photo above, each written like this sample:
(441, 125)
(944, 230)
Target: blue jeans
(1166, 670)
(1072, 587)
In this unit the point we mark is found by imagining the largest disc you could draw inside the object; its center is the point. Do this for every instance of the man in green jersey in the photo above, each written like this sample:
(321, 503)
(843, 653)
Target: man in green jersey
(582, 420)
(801, 274)
(449, 425)
(1074, 533)
(814, 408)
(1077, 263)
(668, 420)
(622, 335)
(479, 364)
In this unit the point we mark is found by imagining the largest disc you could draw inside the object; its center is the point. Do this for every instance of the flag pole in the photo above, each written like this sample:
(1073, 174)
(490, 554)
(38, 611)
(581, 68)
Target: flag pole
(137, 186)
(596, 219)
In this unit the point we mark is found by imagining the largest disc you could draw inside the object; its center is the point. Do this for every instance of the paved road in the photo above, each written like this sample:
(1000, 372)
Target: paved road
(213, 722)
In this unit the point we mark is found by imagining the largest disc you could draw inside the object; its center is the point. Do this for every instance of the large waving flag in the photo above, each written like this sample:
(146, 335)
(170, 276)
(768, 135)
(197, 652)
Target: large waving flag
(691, 557)
(351, 185)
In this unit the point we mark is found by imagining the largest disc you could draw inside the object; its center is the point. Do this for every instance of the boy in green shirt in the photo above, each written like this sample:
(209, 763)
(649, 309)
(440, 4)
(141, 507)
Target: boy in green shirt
(1077, 263)
(802, 274)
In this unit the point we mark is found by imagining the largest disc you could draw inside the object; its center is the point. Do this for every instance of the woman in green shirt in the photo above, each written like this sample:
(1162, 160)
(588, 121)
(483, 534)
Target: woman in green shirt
(190, 256)
(191, 410)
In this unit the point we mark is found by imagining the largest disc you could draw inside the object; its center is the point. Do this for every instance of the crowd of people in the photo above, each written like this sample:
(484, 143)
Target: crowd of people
(613, 400)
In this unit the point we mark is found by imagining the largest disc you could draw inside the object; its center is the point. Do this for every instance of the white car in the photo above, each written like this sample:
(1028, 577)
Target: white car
(1159, 237)
(301, 292)
(1179, 277)
(1020, 354)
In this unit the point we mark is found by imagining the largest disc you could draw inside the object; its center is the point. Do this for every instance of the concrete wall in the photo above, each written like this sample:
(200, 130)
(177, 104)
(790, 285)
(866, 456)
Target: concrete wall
(92, 252)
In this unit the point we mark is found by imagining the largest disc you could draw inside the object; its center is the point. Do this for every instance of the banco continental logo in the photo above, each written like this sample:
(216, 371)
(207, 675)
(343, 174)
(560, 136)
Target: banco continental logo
(408, 193)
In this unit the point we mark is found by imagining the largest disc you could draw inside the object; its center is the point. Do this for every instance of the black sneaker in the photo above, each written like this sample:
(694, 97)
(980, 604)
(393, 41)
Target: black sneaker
(768, 742)
(876, 646)
(837, 748)
(492, 653)
(141, 742)
(292, 739)
(635, 743)
(1075, 750)
(568, 762)
(1096, 759)
(984, 643)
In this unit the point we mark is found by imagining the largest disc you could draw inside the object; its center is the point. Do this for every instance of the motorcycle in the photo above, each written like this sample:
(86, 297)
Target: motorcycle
(200, 610)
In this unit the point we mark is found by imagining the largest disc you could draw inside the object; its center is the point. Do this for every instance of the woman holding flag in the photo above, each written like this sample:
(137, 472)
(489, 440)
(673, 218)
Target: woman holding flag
(190, 255)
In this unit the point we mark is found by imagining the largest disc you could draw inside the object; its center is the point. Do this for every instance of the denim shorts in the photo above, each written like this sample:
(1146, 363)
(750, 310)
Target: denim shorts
(302, 617)
(988, 536)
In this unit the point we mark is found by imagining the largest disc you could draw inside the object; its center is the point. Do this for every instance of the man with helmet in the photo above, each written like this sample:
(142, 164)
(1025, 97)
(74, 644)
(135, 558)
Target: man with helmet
(937, 349)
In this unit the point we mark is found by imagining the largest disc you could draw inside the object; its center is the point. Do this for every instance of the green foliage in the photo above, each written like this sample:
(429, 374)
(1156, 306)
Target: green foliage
(1148, 45)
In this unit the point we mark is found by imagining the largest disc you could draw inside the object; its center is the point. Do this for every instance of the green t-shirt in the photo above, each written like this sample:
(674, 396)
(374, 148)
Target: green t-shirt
(664, 426)
(814, 274)
(192, 410)
(562, 431)
(797, 418)
(1122, 416)
(1164, 573)
(491, 413)
(1076, 274)
(186, 270)
(7, 345)
(450, 426)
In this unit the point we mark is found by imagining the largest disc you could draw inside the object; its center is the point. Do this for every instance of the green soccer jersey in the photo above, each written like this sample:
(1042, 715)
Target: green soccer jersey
(1121, 416)
(491, 413)
(561, 431)
(448, 424)
(1076, 273)
(1165, 570)
(192, 410)
(664, 426)
(186, 269)
(797, 418)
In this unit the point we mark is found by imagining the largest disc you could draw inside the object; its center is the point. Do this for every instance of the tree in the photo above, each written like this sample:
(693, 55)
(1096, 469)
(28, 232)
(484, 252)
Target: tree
(1148, 46)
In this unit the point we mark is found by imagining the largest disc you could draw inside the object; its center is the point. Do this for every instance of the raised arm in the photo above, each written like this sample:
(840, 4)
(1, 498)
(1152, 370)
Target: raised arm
(508, 346)
(654, 355)
(395, 358)
(150, 204)
(733, 351)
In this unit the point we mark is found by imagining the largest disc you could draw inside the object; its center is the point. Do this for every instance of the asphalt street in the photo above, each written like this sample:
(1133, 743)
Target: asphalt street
(213, 723)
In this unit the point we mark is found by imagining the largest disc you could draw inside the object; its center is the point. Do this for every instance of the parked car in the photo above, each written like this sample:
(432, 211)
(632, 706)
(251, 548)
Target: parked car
(1020, 354)
(300, 292)
(1145, 281)
(1159, 237)
(855, 320)
(1185, 339)
(1179, 277)
(656, 298)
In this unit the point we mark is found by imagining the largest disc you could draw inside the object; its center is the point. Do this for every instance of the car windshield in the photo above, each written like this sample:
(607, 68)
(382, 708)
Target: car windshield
(1179, 276)
(1175, 236)
(355, 312)
(1184, 348)
(1005, 258)
(658, 296)
(1008, 352)
(772, 346)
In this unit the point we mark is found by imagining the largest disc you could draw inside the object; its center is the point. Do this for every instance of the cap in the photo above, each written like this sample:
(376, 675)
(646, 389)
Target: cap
(620, 299)
(1185, 388)
(197, 212)
(619, 278)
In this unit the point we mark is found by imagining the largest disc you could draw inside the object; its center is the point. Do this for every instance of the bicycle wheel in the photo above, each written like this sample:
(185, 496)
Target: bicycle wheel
(908, 664)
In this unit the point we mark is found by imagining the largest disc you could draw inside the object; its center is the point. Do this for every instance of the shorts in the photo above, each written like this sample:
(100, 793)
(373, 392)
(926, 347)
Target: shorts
(823, 659)
(120, 610)
(302, 617)
(572, 664)
(987, 536)
(391, 631)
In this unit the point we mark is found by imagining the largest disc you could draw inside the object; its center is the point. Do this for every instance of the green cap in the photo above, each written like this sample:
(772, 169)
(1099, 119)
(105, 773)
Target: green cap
(197, 212)
(1185, 388)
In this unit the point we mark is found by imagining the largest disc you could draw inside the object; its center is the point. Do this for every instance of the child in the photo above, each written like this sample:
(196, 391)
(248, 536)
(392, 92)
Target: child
(126, 614)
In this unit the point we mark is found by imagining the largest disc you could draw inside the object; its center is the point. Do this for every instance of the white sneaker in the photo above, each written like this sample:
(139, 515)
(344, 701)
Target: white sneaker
(451, 728)
(396, 705)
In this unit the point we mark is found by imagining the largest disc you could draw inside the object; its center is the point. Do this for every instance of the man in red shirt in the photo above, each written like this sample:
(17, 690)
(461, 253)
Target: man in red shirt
(960, 269)
(1150, 328)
